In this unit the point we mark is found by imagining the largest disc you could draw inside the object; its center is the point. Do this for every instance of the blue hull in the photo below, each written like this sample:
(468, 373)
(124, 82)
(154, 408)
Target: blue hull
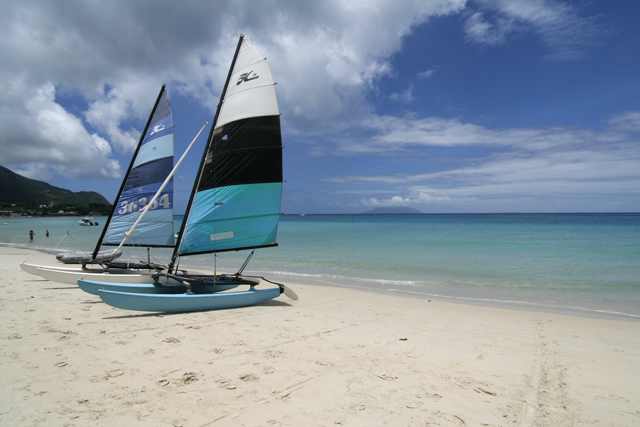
(181, 303)
(93, 288)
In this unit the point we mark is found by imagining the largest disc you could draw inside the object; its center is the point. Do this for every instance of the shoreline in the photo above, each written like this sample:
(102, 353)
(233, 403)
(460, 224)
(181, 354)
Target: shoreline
(474, 301)
(330, 281)
(335, 357)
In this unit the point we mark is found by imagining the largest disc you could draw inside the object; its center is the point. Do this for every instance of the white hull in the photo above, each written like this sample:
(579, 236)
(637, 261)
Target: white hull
(33, 268)
(30, 268)
(71, 277)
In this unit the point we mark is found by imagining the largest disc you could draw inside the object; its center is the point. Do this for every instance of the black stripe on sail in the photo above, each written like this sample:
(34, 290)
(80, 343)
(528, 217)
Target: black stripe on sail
(247, 151)
(149, 173)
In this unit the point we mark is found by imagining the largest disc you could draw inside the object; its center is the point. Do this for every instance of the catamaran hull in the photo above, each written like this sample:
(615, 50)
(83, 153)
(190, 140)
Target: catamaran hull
(33, 269)
(30, 268)
(149, 288)
(72, 277)
(187, 302)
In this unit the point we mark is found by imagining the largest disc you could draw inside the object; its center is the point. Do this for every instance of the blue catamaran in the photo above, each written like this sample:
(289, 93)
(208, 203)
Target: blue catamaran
(142, 215)
(152, 162)
(235, 202)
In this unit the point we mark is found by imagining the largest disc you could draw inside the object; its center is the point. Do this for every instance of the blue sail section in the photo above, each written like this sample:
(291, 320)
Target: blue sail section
(157, 148)
(232, 217)
(152, 165)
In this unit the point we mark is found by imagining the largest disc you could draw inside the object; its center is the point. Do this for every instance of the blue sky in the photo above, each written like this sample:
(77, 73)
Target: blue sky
(442, 105)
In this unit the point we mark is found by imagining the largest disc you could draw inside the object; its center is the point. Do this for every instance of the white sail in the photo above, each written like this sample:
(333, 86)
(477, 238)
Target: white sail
(251, 91)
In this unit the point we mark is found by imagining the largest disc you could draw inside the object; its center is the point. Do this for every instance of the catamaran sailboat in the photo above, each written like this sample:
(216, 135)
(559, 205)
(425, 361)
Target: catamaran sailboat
(235, 202)
(151, 163)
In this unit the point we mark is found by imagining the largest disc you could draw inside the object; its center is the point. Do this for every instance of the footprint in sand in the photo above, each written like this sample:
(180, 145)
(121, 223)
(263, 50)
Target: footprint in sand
(453, 419)
(114, 373)
(249, 377)
(189, 377)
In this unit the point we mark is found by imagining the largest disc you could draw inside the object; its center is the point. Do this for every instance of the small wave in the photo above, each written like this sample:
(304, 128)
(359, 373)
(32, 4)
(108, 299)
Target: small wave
(420, 289)
(518, 302)
(338, 277)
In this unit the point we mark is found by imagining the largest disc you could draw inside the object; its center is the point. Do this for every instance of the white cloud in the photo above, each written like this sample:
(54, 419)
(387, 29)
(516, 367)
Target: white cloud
(557, 23)
(396, 135)
(406, 97)
(39, 132)
(107, 113)
(626, 122)
(115, 55)
(509, 164)
(426, 74)
(427, 198)
(478, 30)
(392, 202)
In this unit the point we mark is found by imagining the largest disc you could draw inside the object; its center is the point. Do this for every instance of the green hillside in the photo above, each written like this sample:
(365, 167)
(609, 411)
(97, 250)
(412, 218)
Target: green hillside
(15, 188)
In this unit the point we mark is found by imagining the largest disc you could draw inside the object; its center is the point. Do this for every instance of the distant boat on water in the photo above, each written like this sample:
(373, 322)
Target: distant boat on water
(87, 221)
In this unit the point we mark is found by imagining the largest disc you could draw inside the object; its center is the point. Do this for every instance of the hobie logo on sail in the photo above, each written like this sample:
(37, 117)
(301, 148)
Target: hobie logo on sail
(245, 77)
(157, 128)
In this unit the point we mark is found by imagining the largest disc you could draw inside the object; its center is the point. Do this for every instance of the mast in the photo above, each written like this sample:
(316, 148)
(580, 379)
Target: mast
(124, 181)
(204, 156)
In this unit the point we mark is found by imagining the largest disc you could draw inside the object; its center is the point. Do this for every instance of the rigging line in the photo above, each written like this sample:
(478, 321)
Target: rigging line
(60, 241)
(153, 257)
(245, 263)
(67, 232)
(136, 247)
(74, 241)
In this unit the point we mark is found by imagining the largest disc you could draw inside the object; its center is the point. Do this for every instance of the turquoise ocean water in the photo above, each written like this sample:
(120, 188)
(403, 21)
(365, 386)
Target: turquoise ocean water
(583, 263)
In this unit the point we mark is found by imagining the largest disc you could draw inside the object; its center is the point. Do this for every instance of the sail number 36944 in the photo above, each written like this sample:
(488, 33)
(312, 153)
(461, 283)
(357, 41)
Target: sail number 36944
(136, 205)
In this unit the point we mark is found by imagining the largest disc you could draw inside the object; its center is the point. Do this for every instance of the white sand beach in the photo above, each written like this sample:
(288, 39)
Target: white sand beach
(336, 357)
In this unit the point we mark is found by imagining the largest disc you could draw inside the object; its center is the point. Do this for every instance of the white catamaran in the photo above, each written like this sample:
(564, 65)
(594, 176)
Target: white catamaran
(234, 205)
